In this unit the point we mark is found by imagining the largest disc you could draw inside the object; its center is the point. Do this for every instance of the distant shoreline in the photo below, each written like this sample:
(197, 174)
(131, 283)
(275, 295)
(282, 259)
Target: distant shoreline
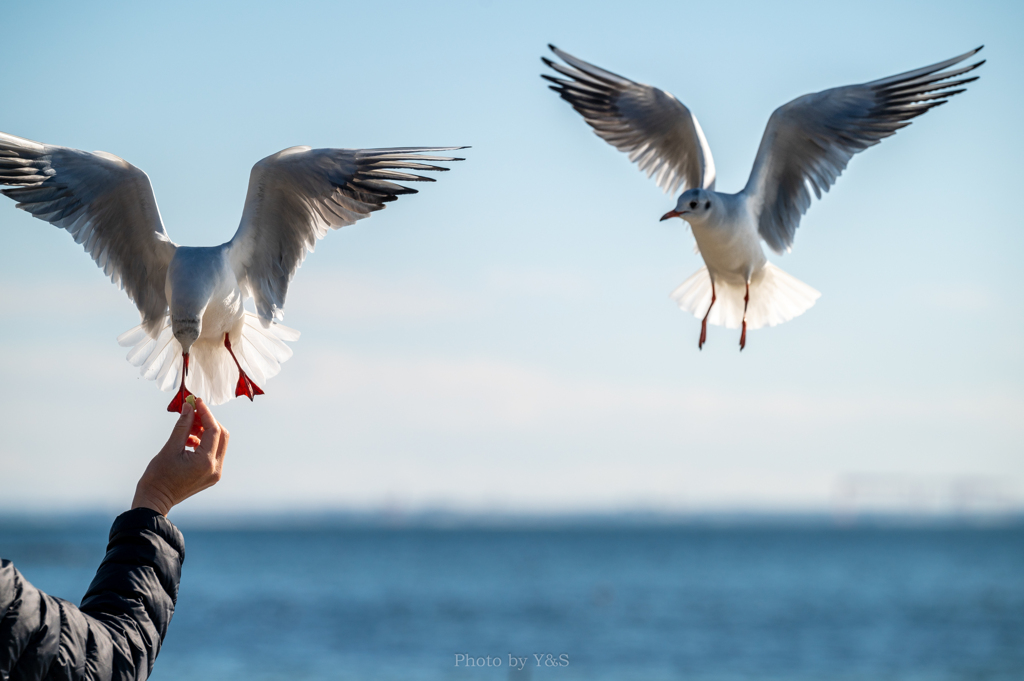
(465, 520)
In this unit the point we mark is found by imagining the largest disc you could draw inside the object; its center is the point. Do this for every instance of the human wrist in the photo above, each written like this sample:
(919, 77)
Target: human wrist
(152, 497)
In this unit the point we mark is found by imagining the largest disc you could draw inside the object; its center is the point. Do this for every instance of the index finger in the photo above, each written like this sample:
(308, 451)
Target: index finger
(211, 429)
(205, 415)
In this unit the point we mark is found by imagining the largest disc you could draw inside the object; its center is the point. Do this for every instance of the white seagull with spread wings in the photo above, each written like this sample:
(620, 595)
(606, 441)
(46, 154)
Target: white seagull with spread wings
(805, 147)
(190, 299)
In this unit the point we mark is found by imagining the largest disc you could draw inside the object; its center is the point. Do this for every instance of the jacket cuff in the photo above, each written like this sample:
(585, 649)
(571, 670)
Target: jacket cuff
(147, 519)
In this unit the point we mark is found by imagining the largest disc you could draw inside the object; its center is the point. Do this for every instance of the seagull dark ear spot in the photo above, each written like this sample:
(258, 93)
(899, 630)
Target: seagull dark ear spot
(707, 205)
(693, 204)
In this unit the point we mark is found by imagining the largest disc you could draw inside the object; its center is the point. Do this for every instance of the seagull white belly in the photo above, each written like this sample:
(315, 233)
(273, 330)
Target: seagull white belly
(223, 315)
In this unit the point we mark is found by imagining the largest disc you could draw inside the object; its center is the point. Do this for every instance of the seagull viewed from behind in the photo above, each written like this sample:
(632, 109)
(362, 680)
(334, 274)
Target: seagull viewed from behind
(806, 145)
(191, 298)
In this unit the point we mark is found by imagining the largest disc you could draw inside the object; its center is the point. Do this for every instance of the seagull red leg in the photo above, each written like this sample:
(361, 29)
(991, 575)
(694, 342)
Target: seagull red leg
(704, 322)
(245, 385)
(179, 397)
(743, 334)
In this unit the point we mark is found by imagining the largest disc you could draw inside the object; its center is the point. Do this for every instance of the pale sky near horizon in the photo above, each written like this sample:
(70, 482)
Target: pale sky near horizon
(504, 340)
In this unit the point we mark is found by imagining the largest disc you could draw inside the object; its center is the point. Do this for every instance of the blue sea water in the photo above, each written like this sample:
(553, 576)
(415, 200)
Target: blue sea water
(689, 602)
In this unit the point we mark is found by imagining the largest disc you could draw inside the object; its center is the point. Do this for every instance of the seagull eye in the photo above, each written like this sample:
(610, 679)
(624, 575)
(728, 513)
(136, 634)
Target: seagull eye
(693, 204)
(707, 205)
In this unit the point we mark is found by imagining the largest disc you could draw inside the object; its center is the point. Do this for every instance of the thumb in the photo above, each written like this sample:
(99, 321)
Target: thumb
(179, 435)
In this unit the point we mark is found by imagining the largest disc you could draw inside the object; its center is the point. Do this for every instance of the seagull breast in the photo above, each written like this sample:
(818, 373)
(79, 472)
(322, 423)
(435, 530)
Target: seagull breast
(728, 239)
(205, 299)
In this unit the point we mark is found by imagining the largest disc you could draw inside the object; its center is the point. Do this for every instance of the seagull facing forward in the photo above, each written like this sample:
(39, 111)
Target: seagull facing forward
(191, 298)
(805, 147)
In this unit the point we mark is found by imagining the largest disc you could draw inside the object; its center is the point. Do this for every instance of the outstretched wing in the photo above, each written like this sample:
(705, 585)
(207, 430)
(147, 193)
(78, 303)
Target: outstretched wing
(107, 205)
(657, 131)
(809, 141)
(297, 194)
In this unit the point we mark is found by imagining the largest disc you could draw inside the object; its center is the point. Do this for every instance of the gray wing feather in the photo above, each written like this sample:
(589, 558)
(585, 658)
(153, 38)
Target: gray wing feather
(657, 131)
(106, 204)
(808, 142)
(297, 195)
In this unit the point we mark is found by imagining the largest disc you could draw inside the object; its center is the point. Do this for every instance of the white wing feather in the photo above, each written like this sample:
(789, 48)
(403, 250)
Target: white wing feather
(106, 204)
(657, 130)
(297, 195)
(808, 142)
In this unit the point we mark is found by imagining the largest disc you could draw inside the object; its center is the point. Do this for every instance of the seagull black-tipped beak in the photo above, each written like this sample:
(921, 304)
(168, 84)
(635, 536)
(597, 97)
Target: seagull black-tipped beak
(670, 214)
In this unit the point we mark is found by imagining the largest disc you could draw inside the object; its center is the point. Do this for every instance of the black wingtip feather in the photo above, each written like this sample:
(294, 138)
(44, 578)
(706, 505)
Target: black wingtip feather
(393, 196)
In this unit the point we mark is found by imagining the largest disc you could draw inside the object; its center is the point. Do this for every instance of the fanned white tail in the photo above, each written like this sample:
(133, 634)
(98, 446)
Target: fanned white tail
(775, 297)
(212, 374)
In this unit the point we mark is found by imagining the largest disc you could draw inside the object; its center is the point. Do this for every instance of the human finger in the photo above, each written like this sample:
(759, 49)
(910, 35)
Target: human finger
(205, 416)
(222, 449)
(180, 432)
(210, 441)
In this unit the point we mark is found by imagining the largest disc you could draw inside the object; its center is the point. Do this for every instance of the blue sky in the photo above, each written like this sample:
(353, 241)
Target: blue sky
(504, 339)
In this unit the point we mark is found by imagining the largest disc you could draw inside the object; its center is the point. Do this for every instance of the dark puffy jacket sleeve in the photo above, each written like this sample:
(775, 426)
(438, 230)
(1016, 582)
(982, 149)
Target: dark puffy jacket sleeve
(116, 633)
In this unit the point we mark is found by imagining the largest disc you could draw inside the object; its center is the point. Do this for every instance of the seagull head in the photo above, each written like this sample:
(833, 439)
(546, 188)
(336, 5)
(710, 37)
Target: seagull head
(186, 329)
(192, 279)
(693, 204)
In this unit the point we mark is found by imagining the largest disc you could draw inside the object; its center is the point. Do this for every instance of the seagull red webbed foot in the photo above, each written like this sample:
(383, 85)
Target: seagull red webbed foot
(245, 385)
(179, 398)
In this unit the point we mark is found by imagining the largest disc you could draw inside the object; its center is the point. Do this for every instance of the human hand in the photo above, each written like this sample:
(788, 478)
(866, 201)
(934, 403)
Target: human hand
(176, 473)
